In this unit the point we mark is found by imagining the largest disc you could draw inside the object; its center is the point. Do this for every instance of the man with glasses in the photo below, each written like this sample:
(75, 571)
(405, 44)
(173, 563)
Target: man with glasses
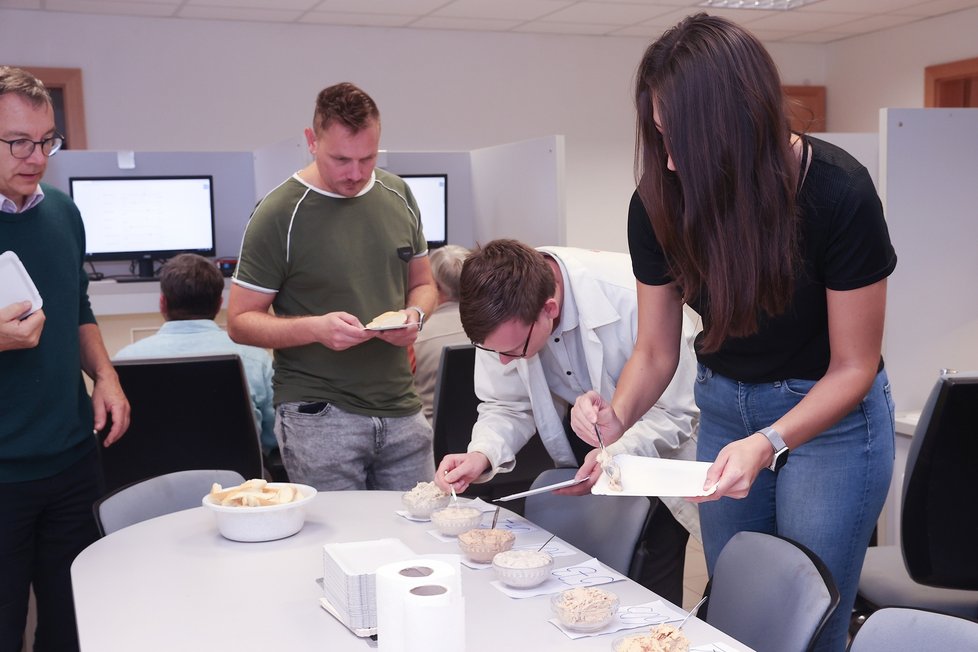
(551, 324)
(48, 458)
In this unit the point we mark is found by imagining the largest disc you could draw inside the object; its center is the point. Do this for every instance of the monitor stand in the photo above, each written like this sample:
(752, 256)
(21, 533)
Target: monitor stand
(145, 273)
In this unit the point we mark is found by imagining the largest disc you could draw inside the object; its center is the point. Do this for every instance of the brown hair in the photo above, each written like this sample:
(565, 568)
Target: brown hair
(22, 83)
(503, 280)
(446, 267)
(346, 104)
(726, 218)
(192, 287)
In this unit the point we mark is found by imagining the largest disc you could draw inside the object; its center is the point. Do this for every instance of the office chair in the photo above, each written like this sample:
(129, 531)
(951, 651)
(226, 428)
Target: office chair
(187, 413)
(770, 593)
(896, 629)
(455, 411)
(154, 497)
(607, 527)
(935, 566)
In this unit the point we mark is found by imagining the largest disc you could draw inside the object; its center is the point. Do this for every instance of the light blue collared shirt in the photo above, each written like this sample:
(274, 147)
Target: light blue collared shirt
(201, 337)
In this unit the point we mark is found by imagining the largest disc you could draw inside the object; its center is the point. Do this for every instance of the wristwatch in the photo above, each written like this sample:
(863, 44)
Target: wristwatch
(421, 316)
(780, 448)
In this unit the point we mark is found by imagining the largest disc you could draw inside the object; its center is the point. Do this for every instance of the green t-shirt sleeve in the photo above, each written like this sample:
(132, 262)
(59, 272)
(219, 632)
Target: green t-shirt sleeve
(262, 263)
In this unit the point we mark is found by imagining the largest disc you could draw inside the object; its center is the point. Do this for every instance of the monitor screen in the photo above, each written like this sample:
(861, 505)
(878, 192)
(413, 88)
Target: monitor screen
(431, 193)
(145, 218)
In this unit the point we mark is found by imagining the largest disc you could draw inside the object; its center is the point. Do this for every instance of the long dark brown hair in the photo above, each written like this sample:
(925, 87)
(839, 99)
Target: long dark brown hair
(726, 218)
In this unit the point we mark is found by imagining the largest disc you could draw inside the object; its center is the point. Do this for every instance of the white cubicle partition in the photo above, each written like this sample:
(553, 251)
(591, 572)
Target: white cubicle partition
(518, 191)
(929, 187)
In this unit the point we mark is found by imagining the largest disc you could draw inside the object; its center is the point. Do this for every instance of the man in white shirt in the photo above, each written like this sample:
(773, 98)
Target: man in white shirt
(553, 324)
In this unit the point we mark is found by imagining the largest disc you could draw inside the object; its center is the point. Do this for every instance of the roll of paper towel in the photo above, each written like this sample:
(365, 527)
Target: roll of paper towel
(397, 606)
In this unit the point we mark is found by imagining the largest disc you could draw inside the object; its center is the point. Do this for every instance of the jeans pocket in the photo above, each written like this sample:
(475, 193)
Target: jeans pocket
(797, 387)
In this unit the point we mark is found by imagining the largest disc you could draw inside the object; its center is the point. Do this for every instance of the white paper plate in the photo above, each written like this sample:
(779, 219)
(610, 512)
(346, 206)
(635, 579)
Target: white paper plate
(389, 328)
(16, 284)
(653, 476)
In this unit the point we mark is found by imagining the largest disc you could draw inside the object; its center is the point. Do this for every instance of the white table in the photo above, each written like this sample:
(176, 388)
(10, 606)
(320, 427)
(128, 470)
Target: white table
(173, 584)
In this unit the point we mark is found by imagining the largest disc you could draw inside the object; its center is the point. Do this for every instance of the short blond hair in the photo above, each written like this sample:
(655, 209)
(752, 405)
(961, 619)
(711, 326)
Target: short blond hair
(20, 82)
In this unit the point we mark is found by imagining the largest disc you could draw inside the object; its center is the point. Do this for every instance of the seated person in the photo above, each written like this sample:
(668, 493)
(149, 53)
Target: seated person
(190, 297)
(552, 324)
(443, 327)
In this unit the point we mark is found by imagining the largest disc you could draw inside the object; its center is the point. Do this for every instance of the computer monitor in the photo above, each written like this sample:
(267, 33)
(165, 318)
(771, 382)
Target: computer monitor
(145, 218)
(431, 193)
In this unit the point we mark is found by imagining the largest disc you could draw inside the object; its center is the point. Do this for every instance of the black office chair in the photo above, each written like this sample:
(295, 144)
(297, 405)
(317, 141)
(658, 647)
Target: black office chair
(935, 567)
(455, 411)
(187, 413)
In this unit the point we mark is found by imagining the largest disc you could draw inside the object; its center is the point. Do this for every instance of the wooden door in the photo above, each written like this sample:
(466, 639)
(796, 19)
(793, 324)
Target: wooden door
(953, 84)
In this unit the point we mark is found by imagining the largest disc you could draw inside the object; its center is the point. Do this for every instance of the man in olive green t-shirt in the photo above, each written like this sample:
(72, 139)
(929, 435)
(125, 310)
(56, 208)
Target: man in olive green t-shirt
(333, 246)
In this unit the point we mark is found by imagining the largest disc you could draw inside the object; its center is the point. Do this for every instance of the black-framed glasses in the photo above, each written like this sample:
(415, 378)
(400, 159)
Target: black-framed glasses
(23, 147)
(526, 346)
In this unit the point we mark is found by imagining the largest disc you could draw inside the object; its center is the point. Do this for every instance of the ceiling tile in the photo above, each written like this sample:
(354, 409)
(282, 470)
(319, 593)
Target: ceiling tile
(116, 8)
(501, 9)
(396, 7)
(616, 13)
(20, 4)
(478, 24)
(239, 13)
(264, 5)
(552, 27)
(363, 20)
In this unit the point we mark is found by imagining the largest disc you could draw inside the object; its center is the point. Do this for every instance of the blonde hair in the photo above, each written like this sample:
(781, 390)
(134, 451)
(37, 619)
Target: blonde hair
(22, 83)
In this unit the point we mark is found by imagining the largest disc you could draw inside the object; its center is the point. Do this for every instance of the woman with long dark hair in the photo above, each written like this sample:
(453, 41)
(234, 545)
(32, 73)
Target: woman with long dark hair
(779, 243)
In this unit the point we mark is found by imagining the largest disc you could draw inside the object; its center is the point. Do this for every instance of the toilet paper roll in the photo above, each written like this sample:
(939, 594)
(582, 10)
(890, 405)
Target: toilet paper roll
(394, 581)
(434, 620)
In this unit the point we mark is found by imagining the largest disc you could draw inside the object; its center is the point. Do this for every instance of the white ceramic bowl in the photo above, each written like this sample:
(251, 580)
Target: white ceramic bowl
(595, 617)
(482, 544)
(452, 521)
(262, 523)
(522, 569)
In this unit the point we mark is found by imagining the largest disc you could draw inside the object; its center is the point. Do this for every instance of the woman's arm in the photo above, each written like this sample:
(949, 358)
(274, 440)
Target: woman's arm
(647, 373)
(855, 340)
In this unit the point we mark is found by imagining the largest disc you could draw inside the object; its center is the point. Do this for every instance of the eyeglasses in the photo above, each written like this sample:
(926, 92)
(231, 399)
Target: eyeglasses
(22, 148)
(526, 346)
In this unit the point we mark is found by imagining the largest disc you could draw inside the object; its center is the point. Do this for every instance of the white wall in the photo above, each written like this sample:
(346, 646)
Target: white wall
(174, 84)
(166, 84)
(886, 69)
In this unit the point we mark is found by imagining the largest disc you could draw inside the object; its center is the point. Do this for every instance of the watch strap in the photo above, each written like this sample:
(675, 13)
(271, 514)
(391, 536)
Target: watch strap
(780, 448)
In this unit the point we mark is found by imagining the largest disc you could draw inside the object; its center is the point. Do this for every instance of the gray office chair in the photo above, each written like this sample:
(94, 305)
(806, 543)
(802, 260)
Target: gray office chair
(607, 527)
(770, 593)
(154, 497)
(934, 567)
(896, 629)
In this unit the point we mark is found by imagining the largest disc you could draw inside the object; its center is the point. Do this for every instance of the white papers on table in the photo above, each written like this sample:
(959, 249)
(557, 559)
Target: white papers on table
(653, 476)
(587, 573)
(648, 614)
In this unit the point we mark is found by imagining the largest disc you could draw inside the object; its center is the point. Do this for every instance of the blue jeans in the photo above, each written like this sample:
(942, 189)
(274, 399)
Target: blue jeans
(331, 449)
(827, 497)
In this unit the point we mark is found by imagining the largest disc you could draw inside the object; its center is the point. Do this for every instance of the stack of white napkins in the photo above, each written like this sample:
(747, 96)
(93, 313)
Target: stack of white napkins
(349, 580)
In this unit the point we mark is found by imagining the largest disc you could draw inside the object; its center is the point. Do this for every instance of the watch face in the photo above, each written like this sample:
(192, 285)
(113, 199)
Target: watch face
(780, 459)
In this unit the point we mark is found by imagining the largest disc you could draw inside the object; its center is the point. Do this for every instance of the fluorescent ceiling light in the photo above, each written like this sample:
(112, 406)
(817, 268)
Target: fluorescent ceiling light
(783, 5)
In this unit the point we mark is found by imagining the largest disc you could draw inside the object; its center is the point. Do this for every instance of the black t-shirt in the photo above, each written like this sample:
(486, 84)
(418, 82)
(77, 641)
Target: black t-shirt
(845, 245)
